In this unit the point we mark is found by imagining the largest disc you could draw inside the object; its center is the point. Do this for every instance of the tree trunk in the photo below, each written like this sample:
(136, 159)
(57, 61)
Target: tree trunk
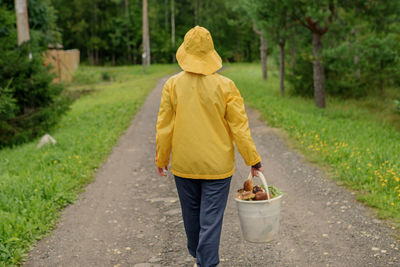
(263, 52)
(282, 67)
(166, 15)
(263, 55)
(356, 61)
(21, 10)
(356, 57)
(145, 32)
(197, 12)
(94, 49)
(292, 57)
(113, 58)
(173, 30)
(96, 57)
(128, 33)
(134, 56)
(381, 80)
(318, 70)
(89, 55)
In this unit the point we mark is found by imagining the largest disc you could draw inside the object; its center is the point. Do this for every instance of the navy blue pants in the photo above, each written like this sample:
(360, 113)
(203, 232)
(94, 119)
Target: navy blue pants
(203, 204)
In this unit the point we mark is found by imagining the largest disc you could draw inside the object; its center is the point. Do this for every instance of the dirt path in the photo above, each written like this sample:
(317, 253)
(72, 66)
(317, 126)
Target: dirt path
(131, 217)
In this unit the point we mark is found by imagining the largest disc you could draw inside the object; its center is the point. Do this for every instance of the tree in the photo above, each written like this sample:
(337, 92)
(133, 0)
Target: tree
(317, 17)
(146, 40)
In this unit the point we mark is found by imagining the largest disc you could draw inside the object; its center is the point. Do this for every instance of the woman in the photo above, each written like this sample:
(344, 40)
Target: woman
(201, 115)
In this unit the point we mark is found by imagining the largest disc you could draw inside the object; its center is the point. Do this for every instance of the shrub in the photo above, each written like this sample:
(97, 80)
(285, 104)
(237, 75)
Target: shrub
(30, 104)
(105, 76)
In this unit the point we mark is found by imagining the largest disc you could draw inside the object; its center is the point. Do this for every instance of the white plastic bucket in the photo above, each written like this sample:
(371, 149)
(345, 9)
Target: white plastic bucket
(259, 220)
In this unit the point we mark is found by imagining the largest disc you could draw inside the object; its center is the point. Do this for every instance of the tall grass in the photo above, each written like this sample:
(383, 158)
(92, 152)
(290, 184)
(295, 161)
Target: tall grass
(35, 184)
(361, 149)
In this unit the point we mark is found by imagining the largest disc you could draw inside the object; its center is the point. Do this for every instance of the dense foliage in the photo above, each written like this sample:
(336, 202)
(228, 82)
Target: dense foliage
(111, 31)
(30, 103)
(343, 48)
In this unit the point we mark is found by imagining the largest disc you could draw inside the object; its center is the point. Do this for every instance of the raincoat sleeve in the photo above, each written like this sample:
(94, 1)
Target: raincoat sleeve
(165, 127)
(238, 123)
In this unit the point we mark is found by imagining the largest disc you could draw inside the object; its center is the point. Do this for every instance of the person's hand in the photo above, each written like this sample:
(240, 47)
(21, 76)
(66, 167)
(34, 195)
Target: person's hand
(254, 171)
(161, 171)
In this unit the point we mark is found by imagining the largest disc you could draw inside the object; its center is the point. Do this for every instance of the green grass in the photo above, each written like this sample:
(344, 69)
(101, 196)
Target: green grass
(360, 147)
(35, 184)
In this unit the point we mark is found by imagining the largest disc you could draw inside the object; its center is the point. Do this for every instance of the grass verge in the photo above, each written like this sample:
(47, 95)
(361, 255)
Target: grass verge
(361, 148)
(35, 184)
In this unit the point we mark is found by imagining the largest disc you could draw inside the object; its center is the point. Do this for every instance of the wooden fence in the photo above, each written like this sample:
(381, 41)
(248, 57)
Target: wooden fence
(64, 62)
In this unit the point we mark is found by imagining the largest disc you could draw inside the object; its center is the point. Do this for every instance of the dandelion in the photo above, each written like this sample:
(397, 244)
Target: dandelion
(369, 165)
(392, 203)
(35, 190)
(55, 161)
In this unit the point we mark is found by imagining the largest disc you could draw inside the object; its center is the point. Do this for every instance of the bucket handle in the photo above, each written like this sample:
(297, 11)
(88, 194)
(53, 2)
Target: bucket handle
(263, 180)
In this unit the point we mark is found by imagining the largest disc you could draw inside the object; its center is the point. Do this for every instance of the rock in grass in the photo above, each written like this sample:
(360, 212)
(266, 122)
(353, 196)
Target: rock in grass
(45, 140)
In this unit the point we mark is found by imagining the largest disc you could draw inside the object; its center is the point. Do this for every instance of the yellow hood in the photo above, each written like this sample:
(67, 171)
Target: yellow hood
(197, 54)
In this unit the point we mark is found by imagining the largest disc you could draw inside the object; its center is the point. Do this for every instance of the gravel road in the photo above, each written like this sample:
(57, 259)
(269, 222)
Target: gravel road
(129, 216)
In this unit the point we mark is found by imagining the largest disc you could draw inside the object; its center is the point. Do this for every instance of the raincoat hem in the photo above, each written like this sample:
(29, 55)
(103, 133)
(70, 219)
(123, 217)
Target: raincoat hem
(203, 176)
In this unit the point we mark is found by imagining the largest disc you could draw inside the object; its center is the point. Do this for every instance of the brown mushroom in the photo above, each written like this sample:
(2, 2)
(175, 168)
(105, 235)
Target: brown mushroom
(248, 185)
(262, 196)
(248, 195)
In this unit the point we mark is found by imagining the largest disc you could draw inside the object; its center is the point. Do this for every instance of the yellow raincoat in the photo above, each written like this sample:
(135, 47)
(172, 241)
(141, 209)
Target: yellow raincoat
(201, 114)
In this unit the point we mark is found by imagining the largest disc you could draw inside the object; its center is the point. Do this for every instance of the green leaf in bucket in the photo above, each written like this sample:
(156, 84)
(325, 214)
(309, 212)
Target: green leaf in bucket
(274, 191)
